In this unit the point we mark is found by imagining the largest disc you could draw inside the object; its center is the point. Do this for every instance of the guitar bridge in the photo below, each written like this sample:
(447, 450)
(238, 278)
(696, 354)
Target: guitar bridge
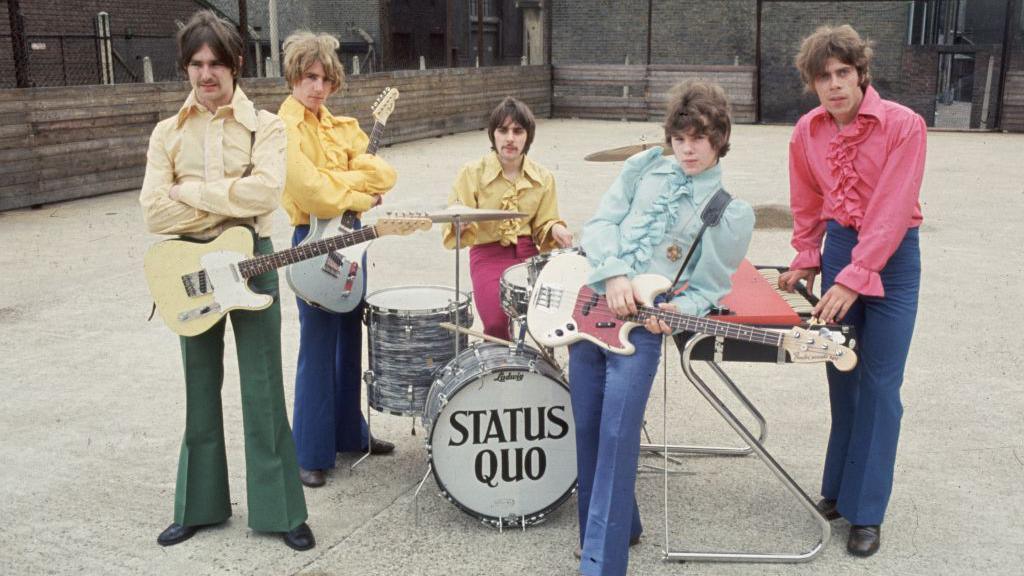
(549, 296)
(197, 313)
(197, 284)
(332, 265)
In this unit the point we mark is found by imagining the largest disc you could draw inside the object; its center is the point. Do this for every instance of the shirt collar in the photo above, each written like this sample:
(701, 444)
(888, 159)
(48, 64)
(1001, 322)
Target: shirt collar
(240, 107)
(704, 183)
(492, 168)
(871, 105)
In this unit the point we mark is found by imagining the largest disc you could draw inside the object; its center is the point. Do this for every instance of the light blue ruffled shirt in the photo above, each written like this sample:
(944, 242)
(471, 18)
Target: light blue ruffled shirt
(651, 212)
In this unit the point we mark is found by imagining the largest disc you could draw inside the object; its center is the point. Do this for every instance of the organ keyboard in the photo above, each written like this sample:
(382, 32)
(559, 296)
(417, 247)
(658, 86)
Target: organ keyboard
(756, 300)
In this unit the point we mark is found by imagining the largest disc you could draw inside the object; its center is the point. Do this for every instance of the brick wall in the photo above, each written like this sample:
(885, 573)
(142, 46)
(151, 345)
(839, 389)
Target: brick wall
(599, 32)
(719, 32)
(784, 24)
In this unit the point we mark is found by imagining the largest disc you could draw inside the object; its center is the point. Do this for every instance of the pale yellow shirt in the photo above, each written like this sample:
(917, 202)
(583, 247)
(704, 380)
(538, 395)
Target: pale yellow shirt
(207, 155)
(329, 171)
(482, 184)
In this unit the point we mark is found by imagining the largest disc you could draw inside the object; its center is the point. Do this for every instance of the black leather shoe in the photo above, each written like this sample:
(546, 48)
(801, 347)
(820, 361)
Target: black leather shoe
(827, 507)
(176, 534)
(578, 552)
(378, 447)
(312, 478)
(300, 538)
(864, 540)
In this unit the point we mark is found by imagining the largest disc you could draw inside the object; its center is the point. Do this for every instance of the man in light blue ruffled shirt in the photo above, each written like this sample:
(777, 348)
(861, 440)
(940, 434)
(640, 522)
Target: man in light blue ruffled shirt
(645, 224)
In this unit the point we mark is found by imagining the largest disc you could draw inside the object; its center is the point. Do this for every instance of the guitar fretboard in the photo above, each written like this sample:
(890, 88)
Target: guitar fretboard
(375, 135)
(680, 321)
(260, 264)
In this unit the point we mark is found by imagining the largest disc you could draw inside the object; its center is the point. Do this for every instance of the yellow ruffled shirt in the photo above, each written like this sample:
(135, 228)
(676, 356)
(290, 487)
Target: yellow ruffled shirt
(481, 184)
(329, 171)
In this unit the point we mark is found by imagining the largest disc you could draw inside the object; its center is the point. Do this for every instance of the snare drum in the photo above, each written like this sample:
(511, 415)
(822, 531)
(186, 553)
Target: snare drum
(515, 290)
(407, 345)
(537, 263)
(500, 440)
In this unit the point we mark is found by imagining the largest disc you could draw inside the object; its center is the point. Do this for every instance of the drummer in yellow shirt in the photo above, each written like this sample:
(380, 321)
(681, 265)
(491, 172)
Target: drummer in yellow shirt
(329, 173)
(506, 179)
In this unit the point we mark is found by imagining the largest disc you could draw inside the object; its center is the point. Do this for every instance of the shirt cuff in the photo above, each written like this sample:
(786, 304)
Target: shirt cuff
(861, 280)
(611, 268)
(806, 259)
(545, 241)
(686, 306)
(191, 193)
(360, 202)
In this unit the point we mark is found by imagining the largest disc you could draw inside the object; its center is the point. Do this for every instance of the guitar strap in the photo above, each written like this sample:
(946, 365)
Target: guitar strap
(710, 216)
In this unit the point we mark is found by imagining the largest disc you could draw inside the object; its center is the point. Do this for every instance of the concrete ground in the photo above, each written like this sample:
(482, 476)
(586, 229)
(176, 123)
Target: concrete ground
(93, 403)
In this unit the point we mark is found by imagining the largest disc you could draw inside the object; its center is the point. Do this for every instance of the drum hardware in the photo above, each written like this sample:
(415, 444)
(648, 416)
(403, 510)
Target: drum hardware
(518, 345)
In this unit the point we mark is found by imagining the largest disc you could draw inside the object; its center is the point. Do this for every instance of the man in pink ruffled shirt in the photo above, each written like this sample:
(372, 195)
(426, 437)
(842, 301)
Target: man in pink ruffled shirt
(855, 167)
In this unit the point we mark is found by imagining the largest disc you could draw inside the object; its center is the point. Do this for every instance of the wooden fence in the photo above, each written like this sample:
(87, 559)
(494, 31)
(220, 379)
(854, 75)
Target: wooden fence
(1013, 103)
(639, 92)
(64, 143)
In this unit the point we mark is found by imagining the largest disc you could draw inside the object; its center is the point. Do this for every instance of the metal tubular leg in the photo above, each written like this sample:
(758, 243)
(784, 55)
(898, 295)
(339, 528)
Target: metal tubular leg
(762, 424)
(416, 496)
(369, 430)
(768, 461)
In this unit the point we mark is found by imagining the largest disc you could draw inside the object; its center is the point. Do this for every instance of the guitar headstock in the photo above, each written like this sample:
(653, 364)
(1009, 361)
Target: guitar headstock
(384, 105)
(819, 345)
(402, 224)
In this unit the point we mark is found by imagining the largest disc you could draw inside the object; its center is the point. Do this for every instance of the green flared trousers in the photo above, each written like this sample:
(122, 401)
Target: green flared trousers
(274, 492)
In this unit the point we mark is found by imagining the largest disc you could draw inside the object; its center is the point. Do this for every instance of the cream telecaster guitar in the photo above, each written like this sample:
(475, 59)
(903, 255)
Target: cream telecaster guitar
(336, 281)
(194, 284)
(563, 310)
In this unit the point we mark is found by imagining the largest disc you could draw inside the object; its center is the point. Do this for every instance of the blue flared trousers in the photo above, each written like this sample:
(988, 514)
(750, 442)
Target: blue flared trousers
(609, 396)
(866, 405)
(327, 418)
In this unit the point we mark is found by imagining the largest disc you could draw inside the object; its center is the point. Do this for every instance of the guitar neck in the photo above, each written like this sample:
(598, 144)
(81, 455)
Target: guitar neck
(260, 264)
(375, 136)
(680, 321)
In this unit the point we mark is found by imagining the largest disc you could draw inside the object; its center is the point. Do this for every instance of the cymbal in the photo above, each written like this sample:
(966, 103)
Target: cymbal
(469, 214)
(622, 153)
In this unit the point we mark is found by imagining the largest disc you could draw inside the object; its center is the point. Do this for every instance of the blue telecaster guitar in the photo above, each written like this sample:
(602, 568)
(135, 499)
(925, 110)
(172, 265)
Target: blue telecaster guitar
(336, 281)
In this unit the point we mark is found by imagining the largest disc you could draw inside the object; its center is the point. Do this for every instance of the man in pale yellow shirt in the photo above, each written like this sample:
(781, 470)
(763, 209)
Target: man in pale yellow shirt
(329, 173)
(220, 163)
(506, 179)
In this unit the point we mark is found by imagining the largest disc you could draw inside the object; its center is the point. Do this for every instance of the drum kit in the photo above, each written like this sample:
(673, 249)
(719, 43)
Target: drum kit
(499, 428)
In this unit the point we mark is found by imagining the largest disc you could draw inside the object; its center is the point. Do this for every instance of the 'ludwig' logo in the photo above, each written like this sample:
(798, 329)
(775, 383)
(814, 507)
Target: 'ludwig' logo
(509, 375)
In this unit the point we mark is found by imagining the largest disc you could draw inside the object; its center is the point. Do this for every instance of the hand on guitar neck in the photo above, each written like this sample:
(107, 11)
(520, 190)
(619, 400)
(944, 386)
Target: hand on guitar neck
(563, 310)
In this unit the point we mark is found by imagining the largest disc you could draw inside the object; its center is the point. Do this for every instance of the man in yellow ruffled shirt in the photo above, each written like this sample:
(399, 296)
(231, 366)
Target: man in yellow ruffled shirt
(506, 179)
(329, 173)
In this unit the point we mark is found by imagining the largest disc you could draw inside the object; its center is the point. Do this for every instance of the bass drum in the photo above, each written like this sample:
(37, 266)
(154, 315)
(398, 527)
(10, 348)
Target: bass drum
(501, 441)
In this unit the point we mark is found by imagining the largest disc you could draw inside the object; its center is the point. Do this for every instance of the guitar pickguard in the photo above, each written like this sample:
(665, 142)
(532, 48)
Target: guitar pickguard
(593, 317)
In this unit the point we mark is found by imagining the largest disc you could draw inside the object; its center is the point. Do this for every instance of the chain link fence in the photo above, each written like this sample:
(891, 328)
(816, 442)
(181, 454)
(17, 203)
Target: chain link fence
(69, 60)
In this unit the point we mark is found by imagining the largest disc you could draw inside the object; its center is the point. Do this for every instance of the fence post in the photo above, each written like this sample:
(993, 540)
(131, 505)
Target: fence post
(147, 70)
(274, 70)
(423, 63)
(355, 65)
(20, 50)
(63, 59)
(106, 59)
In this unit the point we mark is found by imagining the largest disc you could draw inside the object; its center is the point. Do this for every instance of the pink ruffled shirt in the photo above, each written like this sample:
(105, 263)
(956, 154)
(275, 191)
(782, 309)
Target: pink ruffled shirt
(866, 176)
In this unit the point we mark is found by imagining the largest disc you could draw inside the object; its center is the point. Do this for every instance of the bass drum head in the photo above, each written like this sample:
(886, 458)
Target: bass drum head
(502, 442)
